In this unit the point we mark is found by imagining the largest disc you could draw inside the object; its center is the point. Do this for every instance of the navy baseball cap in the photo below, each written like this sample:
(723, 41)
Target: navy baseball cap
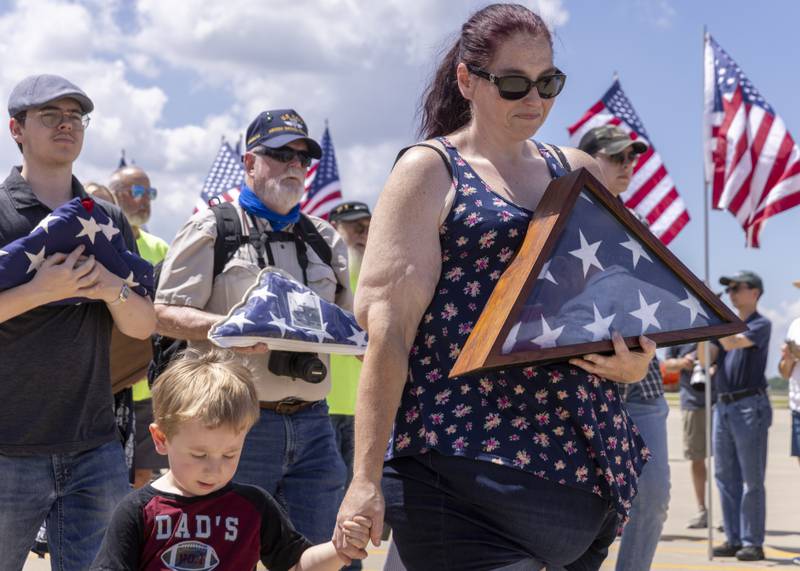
(36, 90)
(277, 128)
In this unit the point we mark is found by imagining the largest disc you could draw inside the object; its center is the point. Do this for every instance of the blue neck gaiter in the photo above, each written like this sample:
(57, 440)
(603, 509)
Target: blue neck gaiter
(252, 205)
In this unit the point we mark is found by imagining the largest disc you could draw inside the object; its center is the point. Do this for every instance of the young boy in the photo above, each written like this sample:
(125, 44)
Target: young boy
(193, 517)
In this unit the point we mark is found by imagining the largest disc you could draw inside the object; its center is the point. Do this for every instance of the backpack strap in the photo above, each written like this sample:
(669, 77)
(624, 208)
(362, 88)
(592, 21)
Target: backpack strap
(307, 234)
(229, 235)
(439, 151)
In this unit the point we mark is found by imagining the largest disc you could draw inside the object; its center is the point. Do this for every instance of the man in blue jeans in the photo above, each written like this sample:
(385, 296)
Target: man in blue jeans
(742, 417)
(291, 451)
(60, 455)
(617, 153)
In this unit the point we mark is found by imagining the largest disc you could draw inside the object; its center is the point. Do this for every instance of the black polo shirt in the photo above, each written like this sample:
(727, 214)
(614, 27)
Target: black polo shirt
(55, 388)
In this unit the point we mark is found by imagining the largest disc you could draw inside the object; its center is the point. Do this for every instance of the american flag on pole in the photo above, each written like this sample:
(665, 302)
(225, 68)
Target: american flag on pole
(651, 193)
(752, 162)
(224, 180)
(323, 188)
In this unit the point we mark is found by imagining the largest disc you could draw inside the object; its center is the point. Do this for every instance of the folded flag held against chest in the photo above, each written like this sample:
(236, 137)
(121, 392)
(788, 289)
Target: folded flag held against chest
(78, 222)
(288, 316)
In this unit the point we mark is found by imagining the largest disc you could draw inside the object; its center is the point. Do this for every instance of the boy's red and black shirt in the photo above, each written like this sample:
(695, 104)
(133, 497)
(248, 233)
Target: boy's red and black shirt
(230, 529)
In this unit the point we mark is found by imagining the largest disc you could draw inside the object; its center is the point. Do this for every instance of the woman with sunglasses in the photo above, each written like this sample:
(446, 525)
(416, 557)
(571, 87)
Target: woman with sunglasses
(512, 469)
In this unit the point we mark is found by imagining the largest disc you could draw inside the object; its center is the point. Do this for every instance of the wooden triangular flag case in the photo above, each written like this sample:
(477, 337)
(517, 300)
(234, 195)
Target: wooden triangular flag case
(588, 267)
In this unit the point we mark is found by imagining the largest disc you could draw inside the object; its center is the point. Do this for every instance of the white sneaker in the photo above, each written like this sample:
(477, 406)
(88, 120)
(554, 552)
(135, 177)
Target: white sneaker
(699, 521)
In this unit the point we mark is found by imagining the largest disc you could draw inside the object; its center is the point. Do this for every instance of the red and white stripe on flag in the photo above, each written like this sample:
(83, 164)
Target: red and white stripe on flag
(323, 199)
(752, 162)
(651, 192)
(323, 187)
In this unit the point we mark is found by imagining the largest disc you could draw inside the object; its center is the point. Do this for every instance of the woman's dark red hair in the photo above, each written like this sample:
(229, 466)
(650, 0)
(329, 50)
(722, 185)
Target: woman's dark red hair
(444, 109)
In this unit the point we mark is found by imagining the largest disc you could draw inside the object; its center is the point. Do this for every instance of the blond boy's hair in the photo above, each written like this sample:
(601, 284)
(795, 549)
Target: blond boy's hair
(213, 387)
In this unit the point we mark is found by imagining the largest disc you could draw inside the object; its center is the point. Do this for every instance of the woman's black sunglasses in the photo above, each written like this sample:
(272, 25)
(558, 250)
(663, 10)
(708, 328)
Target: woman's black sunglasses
(285, 155)
(518, 86)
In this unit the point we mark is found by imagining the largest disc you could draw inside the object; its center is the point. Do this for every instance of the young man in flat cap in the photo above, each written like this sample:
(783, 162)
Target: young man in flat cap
(617, 153)
(291, 451)
(742, 417)
(60, 456)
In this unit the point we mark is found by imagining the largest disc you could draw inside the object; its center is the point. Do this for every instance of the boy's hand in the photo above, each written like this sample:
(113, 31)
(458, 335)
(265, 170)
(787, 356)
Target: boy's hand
(357, 531)
(356, 534)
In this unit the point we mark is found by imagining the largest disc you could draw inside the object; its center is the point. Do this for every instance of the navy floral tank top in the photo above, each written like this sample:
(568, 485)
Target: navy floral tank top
(556, 421)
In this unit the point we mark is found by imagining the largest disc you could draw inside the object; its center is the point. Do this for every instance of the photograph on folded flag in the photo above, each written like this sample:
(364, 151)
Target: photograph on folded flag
(81, 221)
(287, 316)
(589, 267)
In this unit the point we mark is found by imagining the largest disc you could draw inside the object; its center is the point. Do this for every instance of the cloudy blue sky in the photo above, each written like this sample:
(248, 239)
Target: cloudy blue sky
(170, 78)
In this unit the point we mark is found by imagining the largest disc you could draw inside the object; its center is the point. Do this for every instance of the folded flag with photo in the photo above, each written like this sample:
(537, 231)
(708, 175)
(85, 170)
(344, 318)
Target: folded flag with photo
(288, 316)
(77, 222)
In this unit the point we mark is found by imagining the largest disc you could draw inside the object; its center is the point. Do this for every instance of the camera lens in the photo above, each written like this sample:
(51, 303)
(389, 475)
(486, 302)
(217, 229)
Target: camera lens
(312, 370)
(305, 366)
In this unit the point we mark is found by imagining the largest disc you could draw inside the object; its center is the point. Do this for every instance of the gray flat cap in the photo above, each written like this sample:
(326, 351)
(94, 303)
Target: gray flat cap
(37, 90)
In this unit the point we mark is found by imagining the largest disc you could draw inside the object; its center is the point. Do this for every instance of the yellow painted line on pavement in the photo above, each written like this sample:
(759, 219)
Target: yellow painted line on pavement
(698, 567)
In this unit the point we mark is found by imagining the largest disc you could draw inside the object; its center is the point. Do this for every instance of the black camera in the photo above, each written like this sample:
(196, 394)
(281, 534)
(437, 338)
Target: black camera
(305, 366)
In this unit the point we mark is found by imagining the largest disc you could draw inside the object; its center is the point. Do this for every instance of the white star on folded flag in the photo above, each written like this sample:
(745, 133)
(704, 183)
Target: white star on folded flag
(36, 260)
(90, 228)
(636, 249)
(587, 254)
(45, 223)
(599, 328)
(548, 337)
(131, 280)
(693, 306)
(320, 334)
(280, 323)
(262, 294)
(239, 320)
(359, 336)
(647, 313)
(109, 230)
(288, 316)
(545, 273)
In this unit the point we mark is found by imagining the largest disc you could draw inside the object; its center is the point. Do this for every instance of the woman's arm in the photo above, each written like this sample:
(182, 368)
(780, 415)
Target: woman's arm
(401, 268)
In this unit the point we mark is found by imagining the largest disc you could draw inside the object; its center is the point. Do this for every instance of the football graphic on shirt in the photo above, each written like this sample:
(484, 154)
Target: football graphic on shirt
(190, 556)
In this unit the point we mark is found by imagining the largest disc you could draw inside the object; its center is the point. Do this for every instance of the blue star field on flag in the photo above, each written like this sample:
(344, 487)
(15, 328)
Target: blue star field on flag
(226, 173)
(79, 221)
(729, 77)
(288, 316)
(600, 278)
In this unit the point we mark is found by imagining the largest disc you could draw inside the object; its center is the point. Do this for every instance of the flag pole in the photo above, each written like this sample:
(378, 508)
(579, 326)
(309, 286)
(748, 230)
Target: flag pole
(706, 345)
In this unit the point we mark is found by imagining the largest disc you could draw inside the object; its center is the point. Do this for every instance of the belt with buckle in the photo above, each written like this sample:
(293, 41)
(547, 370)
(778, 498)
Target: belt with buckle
(729, 398)
(288, 406)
